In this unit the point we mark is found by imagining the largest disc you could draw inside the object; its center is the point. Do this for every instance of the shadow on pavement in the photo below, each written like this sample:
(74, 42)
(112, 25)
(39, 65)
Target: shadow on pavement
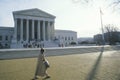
(92, 73)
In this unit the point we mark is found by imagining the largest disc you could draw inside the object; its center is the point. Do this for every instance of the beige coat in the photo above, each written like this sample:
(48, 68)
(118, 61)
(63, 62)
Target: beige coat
(41, 69)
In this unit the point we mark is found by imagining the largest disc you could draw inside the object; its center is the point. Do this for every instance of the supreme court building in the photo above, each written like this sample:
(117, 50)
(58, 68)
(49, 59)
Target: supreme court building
(32, 25)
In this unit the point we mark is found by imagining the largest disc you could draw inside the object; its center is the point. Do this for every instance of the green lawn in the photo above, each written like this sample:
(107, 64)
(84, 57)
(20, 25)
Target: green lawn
(88, 66)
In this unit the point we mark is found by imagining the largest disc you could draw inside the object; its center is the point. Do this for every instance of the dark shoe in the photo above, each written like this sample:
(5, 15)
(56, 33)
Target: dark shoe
(48, 77)
(35, 78)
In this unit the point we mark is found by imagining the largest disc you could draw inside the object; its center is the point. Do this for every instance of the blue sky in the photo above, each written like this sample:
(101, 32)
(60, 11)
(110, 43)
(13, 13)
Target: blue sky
(70, 14)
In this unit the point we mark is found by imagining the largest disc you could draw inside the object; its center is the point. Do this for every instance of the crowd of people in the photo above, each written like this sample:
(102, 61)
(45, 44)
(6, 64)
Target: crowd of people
(32, 44)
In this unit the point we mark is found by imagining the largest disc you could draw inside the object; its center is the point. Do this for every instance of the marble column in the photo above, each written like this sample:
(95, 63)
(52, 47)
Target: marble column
(48, 31)
(52, 31)
(21, 29)
(15, 36)
(44, 38)
(33, 32)
(27, 34)
(38, 28)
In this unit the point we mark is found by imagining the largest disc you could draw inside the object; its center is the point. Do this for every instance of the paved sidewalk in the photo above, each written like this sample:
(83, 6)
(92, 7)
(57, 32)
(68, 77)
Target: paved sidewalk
(33, 52)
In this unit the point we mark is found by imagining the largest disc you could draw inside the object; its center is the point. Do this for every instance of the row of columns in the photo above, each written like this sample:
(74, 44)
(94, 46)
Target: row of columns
(47, 30)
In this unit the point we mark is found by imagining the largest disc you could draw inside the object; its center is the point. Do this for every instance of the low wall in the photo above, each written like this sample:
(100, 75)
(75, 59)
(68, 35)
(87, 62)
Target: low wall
(33, 52)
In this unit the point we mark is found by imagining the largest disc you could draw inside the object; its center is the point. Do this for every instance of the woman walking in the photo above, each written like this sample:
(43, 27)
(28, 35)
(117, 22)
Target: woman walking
(42, 65)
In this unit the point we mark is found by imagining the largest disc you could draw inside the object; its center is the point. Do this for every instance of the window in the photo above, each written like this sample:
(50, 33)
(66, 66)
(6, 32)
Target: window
(0, 38)
(68, 38)
(6, 38)
(71, 38)
(11, 37)
(58, 37)
(65, 38)
(62, 37)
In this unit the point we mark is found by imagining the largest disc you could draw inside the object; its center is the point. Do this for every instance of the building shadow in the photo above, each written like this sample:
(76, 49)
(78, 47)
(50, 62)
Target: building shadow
(93, 72)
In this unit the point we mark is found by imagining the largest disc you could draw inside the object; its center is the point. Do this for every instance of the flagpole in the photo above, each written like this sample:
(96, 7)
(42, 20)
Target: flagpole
(102, 26)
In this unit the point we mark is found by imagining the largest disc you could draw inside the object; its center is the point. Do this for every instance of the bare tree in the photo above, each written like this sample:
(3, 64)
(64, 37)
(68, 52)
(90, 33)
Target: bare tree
(113, 3)
(110, 28)
(111, 34)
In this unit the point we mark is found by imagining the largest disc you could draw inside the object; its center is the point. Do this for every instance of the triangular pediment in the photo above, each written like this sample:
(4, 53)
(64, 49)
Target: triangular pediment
(34, 12)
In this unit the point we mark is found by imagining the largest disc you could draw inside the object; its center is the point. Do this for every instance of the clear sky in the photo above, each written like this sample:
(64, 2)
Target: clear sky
(70, 14)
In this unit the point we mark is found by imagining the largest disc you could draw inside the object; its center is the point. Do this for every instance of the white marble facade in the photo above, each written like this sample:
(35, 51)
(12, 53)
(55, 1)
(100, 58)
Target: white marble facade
(6, 34)
(65, 37)
(35, 28)
(32, 25)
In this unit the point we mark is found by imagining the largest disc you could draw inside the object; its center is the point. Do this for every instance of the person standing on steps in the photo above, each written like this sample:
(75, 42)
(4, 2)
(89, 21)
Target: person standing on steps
(42, 65)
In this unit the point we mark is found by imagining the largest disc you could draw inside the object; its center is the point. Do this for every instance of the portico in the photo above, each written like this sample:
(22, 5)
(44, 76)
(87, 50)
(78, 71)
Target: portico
(34, 28)
(28, 30)
(33, 25)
